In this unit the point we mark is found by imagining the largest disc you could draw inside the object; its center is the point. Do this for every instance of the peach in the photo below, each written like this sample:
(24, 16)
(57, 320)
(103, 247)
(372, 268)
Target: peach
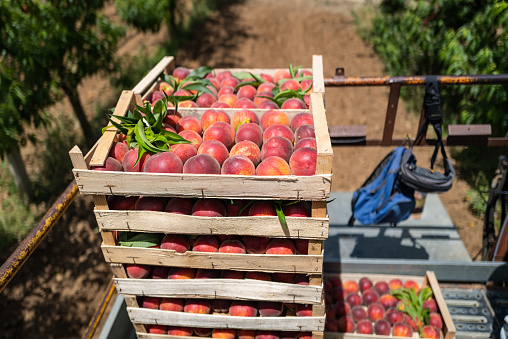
(278, 146)
(193, 137)
(157, 329)
(220, 104)
(220, 131)
(238, 165)
(430, 304)
(180, 73)
(248, 149)
(213, 80)
(382, 327)
(229, 99)
(182, 273)
(395, 284)
(244, 116)
(117, 202)
(283, 277)
(250, 131)
(375, 311)
(220, 305)
(244, 103)
(402, 330)
(151, 204)
(270, 308)
(166, 162)
(234, 206)
(255, 245)
(369, 297)
(411, 284)
(226, 90)
(342, 308)
(208, 208)
(203, 273)
(273, 117)
(299, 119)
(227, 274)
(339, 293)
(281, 246)
(351, 286)
(303, 161)
(180, 331)
(335, 281)
(303, 73)
(294, 103)
(304, 310)
(364, 327)
(331, 324)
(118, 151)
(268, 104)
(172, 118)
(232, 246)
(245, 334)
(262, 208)
(205, 100)
(302, 246)
(262, 97)
(354, 299)
(436, 320)
(222, 75)
(180, 206)
(358, 313)
(305, 335)
(266, 87)
(279, 130)
(258, 276)
(211, 116)
(175, 242)
(247, 91)
(184, 151)
(243, 308)
(206, 243)
(224, 333)
(159, 272)
(200, 306)
(136, 271)
(182, 93)
(382, 287)
(202, 332)
(267, 77)
(430, 331)
(413, 323)
(346, 324)
(304, 131)
(306, 84)
(301, 279)
(229, 81)
(291, 84)
(388, 300)
(216, 149)
(201, 164)
(393, 316)
(189, 123)
(273, 166)
(111, 164)
(130, 159)
(281, 74)
(156, 96)
(151, 302)
(300, 209)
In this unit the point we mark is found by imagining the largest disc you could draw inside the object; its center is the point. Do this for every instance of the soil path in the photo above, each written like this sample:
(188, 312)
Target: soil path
(57, 290)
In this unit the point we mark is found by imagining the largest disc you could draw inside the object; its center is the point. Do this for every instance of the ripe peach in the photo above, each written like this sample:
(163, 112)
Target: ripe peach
(393, 316)
(211, 116)
(303, 310)
(117, 202)
(175, 242)
(166, 162)
(273, 117)
(130, 159)
(151, 302)
(233, 207)
(182, 273)
(303, 73)
(229, 81)
(268, 104)
(188, 104)
(220, 305)
(156, 96)
(243, 308)
(111, 164)
(267, 78)
(244, 116)
(200, 306)
(281, 246)
(118, 151)
(248, 149)
(224, 333)
(216, 149)
(369, 297)
(222, 75)
(182, 93)
(180, 206)
(205, 100)
(189, 123)
(283, 277)
(261, 97)
(258, 276)
(208, 208)
(294, 103)
(395, 284)
(201, 164)
(213, 80)
(375, 311)
(305, 84)
(273, 166)
(270, 308)
(202, 332)
(304, 131)
(430, 304)
(382, 287)
(331, 324)
(203, 273)
(402, 330)
(339, 293)
(346, 324)
(290, 84)
(266, 87)
(244, 103)
(180, 331)
(250, 131)
(430, 331)
(358, 313)
(303, 161)
(220, 104)
(299, 119)
(232, 246)
(222, 132)
(301, 279)
(388, 301)
(335, 281)
(229, 99)
(239, 165)
(247, 91)
(278, 146)
(382, 327)
(255, 245)
(364, 326)
(151, 204)
(280, 131)
(192, 136)
(159, 272)
(262, 208)
(350, 286)
(302, 246)
(184, 151)
(342, 308)
(136, 271)
(411, 284)
(436, 320)
(415, 324)
(281, 74)
(157, 329)
(226, 90)
(180, 73)
(172, 118)
(206, 243)
(300, 209)
(354, 299)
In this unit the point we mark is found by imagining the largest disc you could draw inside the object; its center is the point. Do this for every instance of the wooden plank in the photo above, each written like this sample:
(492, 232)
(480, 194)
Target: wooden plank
(198, 112)
(448, 325)
(164, 66)
(161, 222)
(317, 335)
(150, 316)
(324, 144)
(318, 85)
(232, 289)
(315, 187)
(307, 264)
(107, 138)
(269, 71)
(118, 271)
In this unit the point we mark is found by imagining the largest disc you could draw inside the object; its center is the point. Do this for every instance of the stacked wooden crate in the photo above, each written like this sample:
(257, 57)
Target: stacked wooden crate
(315, 189)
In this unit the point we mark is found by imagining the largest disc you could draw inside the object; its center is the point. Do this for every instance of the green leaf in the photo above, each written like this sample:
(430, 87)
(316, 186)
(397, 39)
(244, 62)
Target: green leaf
(197, 86)
(280, 214)
(199, 73)
(254, 83)
(144, 240)
(174, 138)
(242, 75)
(247, 205)
(143, 141)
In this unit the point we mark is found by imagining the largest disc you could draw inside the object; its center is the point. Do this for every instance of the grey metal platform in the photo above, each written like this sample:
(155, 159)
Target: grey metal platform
(431, 237)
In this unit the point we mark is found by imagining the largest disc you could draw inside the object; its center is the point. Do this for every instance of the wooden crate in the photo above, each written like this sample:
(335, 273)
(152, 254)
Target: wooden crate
(314, 188)
(430, 280)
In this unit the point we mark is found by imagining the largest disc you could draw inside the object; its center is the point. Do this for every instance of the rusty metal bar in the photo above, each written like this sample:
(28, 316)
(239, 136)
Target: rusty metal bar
(445, 80)
(463, 141)
(99, 312)
(391, 113)
(30, 243)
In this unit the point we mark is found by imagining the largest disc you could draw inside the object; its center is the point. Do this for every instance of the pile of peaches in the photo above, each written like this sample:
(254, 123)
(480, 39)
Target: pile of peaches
(364, 307)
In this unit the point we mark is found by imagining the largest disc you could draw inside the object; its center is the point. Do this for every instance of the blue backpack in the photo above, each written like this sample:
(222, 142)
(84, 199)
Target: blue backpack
(383, 198)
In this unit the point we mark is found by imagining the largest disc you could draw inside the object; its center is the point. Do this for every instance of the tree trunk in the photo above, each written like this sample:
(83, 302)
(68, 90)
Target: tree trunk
(172, 27)
(21, 179)
(73, 95)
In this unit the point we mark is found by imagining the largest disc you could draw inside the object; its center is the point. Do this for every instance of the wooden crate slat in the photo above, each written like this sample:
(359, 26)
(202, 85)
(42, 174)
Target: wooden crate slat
(318, 85)
(150, 316)
(171, 223)
(315, 187)
(165, 65)
(244, 289)
(307, 264)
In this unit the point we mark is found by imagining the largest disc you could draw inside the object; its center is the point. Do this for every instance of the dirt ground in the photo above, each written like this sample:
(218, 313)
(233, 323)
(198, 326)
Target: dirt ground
(56, 292)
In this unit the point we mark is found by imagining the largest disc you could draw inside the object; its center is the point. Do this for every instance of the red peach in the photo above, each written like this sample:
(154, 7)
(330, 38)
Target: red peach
(227, 274)
(224, 333)
(216, 149)
(211, 116)
(346, 324)
(267, 335)
(331, 324)
(258, 276)
(290, 84)
(305, 84)
(180, 206)
(336, 281)
(303, 161)
(288, 334)
(151, 302)
(280, 131)
(205, 100)
(226, 90)
(159, 272)
(184, 151)
(263, 208)
(118, 202)
(388, 300)
(172, 118)
(354, 299)
(188, 104)
(248, 149)
(157, 329)
(189, 123)
(244, 116)
(250, 131)
(302, 246)
(222, 132)
(243, 308)
(393, 316)
(369, 297)
(430, 304)
(342, 308)
(180, 73)
(234, 206)
(364, 327)
(180, 331)
(294, 103)
(267, 78)
(402, 330)
(229, 99)
(280, 147)
(436, 320)
(262, 97)
(358, 313)
(245, 334)
(273, 117)
(166, 162)
(208, 208)
(206, 243)
(304, 131)
(202, 332)
(247, 91)
(270, 308)
(382, 327)
(338, 293)
(283, 277)
(232, 246)
(130, 159)
(175, 242)
(415, 324)
(281, 246)
(118, 151)
(430, 331)
(111, 164)
(411, 284)
(229, 81)
(281, 74)
(244, 103)
(183, 93)
(220, 305)
(182, 273)
(156, 96)
(238, 165)
(268, 104)
(151, 204)
(201, 164)
(300, 209)
(220, 104)
(266, 87)
(375, 311)
(255, 245)
(200, 306)
(213, 80)
(303, 73)
(395, 284)
(273, 165)
(222, 75)
(350, 286)
(203, 273)
(382, 287)
(303, 310)
(192, 136)
(136, 271)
